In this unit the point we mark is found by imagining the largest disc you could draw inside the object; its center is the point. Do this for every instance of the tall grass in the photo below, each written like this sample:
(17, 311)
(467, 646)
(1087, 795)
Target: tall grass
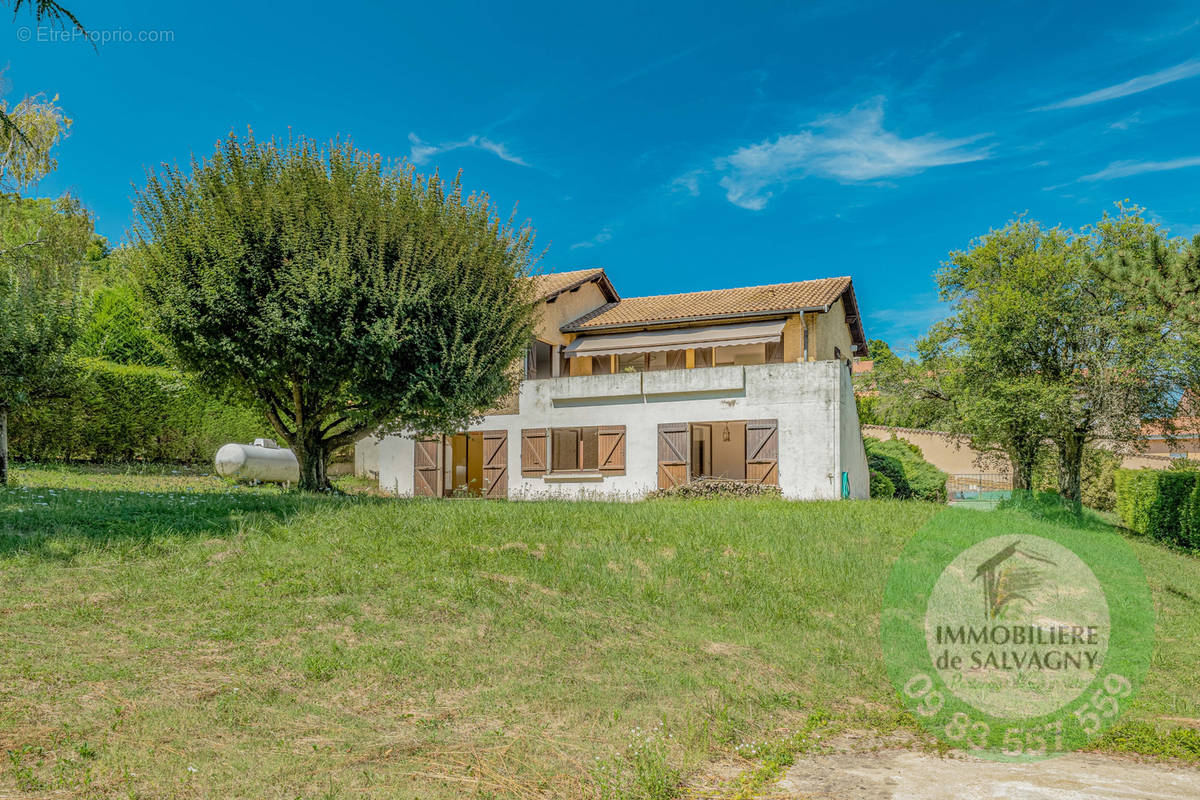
(170, 635)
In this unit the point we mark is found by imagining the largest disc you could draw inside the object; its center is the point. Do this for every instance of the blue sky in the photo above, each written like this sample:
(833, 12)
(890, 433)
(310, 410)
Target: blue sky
(680, 146)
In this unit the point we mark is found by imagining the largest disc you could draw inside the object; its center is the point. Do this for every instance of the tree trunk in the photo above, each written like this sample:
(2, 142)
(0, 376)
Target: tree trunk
(313, 456)
(1070, 466)
(3, 446)
(1023, 475)
(1023, 457)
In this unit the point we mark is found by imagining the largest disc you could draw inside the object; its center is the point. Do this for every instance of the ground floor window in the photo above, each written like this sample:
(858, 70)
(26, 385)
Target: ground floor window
(574, 449)
(583, 449)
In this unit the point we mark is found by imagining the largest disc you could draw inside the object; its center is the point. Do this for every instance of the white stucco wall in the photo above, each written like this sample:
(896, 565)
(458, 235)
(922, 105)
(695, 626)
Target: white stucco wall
(396, 465)
(813, 403)
(851, 453)
(366, 456)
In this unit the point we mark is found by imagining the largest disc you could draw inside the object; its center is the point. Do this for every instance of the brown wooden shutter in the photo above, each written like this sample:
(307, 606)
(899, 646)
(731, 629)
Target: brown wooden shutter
(672, 454)
(762, 451)
(533, 452)
(427, 473)
(495, 464)
(612, 449)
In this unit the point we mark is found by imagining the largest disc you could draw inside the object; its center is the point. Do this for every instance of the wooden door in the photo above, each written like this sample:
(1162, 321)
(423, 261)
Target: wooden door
(762, 451)
(611, 445)
(495, 464)
(672, 454)
(427, 471)
(533, 452)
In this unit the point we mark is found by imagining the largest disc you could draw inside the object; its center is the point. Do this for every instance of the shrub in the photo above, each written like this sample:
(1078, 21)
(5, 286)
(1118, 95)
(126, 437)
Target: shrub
(715, 487)
(1189, 518)
(116, 329)
(1155, 502)
(882, 486)
(1096, 476)
(123, 413)
(1098, 479)
(903, 465)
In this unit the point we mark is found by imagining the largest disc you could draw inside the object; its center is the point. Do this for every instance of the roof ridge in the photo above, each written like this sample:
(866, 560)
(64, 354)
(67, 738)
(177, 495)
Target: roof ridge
(567, 271)
(737, 288)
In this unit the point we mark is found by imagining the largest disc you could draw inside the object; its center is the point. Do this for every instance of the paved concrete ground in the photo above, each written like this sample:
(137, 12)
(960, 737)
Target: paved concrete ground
(907, 775)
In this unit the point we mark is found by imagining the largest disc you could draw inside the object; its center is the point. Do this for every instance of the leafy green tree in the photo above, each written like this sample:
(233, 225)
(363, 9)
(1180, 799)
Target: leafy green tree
(28, 152)
(1041, 349)
(43, 244)
(117, 326)
(335, 293)
(1160, 272)
(25, 131)
(899, 392)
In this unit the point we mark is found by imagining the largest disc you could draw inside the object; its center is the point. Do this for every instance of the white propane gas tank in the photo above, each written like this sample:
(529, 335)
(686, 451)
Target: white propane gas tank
(261, 461)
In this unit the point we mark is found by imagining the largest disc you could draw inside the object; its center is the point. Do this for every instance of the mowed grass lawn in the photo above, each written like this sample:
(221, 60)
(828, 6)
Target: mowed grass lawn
(168, 635)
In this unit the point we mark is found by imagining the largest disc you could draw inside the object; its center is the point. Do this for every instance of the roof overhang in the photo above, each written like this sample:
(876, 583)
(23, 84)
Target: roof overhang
(600, 278)
(854, 321)
(653, 341)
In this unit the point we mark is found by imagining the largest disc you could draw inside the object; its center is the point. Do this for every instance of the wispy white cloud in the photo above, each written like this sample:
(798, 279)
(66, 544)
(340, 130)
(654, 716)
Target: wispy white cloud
(1125, 123)
(605, 235)
(688, 182)
(1142, 83)
(851, 147)
(654, 66)
(420, 152)
(1123, 169)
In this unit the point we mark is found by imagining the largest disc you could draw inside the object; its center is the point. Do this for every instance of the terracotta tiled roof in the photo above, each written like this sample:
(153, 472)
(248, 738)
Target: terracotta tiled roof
(553, 283)
(1184, 427)
(750, 300)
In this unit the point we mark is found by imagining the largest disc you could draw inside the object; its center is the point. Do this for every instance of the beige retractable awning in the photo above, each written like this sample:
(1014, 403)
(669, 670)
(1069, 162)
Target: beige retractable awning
(676, 339)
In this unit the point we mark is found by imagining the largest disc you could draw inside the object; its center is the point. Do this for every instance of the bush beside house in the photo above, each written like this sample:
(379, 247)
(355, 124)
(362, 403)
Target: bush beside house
(901, 464)
(121, 412)
(882, 487)
(1162, 504)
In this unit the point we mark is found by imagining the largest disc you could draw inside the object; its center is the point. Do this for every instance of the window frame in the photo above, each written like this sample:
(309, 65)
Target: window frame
(533, 363)
(582, 435)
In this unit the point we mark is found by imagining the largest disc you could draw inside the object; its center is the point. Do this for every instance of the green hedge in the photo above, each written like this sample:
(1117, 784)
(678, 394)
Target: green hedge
(1159, 503)
(123, 413)
(903, 465)
(882, 486)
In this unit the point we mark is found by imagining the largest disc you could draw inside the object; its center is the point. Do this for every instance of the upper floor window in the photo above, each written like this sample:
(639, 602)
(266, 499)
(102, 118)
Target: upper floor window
(539, 359)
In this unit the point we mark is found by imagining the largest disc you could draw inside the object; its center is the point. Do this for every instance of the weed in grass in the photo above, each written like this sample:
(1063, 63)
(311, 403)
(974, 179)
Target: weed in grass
(775, 755)
(643, 771)
(21, 764)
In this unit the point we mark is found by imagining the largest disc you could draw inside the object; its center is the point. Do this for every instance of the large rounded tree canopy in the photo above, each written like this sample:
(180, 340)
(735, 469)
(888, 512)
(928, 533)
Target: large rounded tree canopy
(335, 292)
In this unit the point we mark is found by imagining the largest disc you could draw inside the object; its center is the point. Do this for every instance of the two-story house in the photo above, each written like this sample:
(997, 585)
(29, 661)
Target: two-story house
(622, 396)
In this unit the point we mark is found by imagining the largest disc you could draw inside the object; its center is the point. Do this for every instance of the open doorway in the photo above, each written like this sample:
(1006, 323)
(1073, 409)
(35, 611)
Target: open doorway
(718, 450)
(463, 462)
